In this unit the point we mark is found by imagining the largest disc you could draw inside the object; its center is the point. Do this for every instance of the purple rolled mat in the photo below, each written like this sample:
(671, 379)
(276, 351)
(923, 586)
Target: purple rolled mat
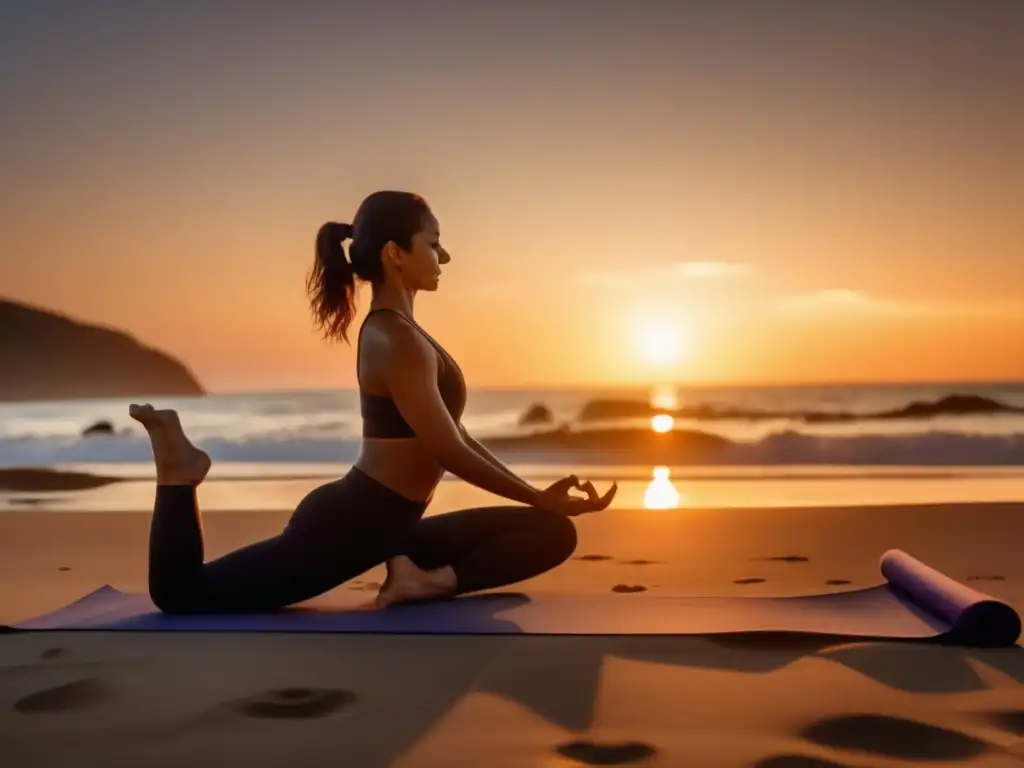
(973, 617)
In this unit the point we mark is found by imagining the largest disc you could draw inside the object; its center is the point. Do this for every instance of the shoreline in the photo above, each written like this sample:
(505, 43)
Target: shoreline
(242, 488)
(88, 475)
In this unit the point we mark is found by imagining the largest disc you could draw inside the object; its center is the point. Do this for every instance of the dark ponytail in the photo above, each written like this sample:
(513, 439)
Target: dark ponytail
(331, 283)
(383, 217)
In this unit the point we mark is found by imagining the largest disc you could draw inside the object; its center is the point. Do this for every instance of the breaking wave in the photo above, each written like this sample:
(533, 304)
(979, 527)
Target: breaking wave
(559, 446)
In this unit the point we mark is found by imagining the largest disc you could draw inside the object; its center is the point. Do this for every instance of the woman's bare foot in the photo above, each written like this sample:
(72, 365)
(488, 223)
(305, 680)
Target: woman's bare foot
(178, 462)
(407, 582)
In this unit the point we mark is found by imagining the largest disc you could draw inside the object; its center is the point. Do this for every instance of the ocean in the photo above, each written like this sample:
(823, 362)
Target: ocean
(740, 445)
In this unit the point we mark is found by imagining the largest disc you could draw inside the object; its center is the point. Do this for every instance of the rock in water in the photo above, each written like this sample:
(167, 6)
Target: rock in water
(538, 413)
(99, 428)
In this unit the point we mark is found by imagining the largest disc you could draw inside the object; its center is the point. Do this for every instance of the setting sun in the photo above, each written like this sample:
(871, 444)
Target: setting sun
(662, 344)
(662, 422)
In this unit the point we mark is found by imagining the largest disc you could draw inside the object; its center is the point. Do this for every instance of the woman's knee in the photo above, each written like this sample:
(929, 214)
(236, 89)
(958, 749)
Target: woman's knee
(169, 599)
(558, 533)
(175, 596)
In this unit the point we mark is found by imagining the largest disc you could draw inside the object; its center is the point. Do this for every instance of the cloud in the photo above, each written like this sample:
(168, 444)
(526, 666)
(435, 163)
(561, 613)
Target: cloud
(678, 271)
(712, 270)
(843, 301)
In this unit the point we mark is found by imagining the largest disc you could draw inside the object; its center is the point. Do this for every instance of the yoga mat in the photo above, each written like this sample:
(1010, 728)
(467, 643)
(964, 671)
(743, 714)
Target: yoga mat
(914, 602)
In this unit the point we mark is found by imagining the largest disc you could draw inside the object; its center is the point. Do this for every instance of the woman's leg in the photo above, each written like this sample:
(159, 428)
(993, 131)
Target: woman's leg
(482, 548)
(263, 576)
(338, 531)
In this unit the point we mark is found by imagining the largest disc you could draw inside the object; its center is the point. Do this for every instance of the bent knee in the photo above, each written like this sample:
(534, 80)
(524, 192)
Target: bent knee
(172, 599)
(558, 533)
(171, 602)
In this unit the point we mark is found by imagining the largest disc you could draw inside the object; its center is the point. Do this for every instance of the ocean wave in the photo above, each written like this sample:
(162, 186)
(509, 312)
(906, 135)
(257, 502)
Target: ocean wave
(789, 447)
(951, 405)
(605, 446)
(130, 448)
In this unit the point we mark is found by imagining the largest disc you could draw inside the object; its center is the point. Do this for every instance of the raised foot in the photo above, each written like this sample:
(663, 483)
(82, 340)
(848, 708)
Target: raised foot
(178, 462)
(407, 583)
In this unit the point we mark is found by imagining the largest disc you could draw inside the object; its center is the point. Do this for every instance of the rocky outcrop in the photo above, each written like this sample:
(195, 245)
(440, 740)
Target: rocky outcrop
(48, 356)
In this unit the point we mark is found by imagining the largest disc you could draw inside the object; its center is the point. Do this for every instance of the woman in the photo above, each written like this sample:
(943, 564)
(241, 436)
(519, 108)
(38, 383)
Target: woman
(412, 397)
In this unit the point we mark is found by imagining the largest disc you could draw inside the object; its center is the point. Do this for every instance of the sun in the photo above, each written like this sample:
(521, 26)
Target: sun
(663, 422)
(662, 344)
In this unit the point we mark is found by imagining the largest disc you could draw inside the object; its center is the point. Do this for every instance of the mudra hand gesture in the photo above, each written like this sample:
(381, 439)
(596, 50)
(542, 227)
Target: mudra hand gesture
(556, 497)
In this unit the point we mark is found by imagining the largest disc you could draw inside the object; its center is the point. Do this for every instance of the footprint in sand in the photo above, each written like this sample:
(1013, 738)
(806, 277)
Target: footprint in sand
(629, 588)
(51, 653)
(593, 558)
(593, 753)
(64, 568)
(895, 738)
(838, 582)
(752, 580)
(639, 562)
(784, 559)
(81, 694)
(797, 761)
(295, 703)
(986, 578)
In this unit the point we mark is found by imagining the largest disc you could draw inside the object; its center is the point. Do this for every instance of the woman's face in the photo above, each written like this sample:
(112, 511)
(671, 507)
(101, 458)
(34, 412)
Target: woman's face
(420, 267)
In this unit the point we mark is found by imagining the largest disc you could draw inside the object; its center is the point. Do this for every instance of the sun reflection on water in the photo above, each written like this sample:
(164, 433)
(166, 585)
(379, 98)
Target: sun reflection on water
(661, 493)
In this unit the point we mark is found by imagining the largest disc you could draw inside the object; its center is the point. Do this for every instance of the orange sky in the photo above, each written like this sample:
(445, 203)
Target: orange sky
(810, 195)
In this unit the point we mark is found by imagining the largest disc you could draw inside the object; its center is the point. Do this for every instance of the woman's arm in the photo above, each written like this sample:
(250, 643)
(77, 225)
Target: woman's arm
(490, 458)
(486, 454)
(409, 367)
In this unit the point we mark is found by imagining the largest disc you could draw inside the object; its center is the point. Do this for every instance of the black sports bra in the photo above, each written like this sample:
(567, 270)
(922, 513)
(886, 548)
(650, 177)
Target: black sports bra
(381, 417)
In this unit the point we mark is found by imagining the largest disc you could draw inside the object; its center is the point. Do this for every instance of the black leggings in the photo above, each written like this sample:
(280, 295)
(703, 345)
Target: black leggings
(338, 531)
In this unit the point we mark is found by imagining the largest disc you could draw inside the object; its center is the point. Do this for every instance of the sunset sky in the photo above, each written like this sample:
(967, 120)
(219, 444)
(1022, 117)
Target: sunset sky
(779, 192)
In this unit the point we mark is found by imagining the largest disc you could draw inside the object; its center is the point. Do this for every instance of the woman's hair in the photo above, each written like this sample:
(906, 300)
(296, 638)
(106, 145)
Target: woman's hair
(382, 217)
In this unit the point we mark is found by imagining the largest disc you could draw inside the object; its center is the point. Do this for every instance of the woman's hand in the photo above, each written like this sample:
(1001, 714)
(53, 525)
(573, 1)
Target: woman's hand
(556, 497)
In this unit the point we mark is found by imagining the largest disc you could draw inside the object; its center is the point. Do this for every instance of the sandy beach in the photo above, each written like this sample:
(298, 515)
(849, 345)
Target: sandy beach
(759, 264)
(748, 700)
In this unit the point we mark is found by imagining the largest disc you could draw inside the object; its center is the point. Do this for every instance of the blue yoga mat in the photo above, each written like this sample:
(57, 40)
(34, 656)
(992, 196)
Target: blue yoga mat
(915, 601)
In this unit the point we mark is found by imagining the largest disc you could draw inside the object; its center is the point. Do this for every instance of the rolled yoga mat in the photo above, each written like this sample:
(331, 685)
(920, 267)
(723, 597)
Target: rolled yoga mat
(914, 602)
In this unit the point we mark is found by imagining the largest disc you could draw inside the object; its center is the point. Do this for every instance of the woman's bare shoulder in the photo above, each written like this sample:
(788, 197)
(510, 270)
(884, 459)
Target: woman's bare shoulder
(388, 338)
